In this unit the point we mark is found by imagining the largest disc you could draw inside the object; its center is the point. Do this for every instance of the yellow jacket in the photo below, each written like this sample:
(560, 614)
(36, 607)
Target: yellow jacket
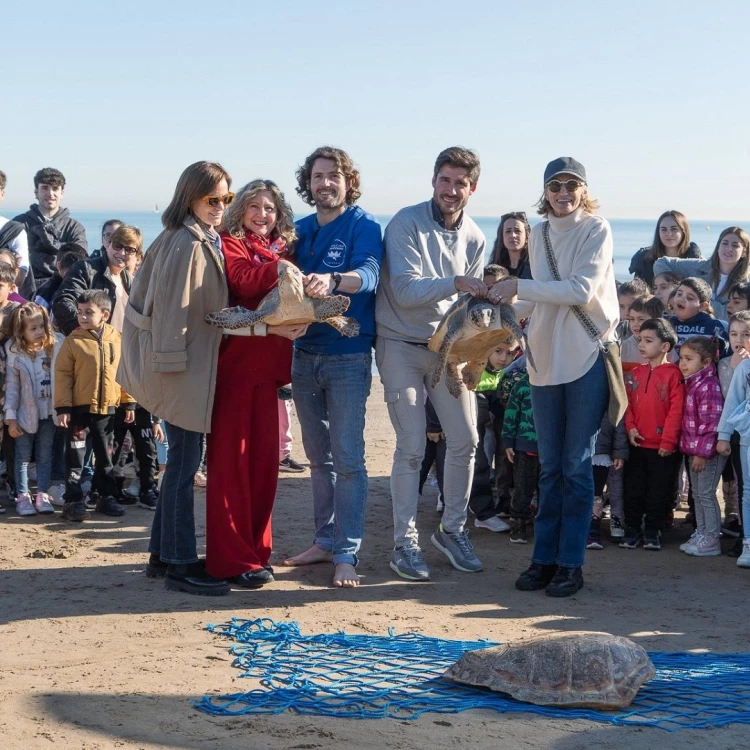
(85, 371)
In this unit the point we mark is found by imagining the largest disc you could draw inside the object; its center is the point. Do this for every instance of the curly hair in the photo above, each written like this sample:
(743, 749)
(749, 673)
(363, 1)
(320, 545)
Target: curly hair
(343, 162)
(49, 176)
(235, 213)
(18, 320)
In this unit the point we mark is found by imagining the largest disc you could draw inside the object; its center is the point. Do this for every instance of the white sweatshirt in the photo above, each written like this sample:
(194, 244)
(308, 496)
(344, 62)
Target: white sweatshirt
(560, 346)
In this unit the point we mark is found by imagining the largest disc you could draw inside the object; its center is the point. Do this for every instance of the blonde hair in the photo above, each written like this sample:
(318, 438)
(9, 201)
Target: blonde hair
(588, 204)
(129, 236)
(235, 212)
(21, 315)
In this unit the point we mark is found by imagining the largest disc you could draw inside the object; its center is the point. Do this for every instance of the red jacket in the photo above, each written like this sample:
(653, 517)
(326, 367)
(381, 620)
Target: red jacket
(258, 359)
(656, 397)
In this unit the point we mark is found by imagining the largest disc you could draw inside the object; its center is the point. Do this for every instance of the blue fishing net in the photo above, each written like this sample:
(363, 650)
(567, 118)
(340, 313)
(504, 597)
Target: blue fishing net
(399, 676)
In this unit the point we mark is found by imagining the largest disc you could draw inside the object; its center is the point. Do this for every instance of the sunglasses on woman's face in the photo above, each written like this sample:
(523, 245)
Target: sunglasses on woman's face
(129, 249)
(555, 186)
(215, 200)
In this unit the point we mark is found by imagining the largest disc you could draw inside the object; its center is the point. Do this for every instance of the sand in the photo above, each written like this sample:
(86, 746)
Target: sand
(95, 655)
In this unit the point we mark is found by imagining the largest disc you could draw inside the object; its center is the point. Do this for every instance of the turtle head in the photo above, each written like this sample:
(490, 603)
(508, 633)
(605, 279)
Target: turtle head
(482, 315)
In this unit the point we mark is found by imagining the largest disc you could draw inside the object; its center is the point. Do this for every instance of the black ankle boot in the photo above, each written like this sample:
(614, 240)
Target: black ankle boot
(156, 568)
(193, 579)
(566, 582)
(536, 577)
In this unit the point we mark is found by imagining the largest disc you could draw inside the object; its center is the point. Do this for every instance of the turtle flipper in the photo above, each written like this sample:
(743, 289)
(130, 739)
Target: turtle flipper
(472, 373)
(453, 380)
(233, 317)
(345, 326)
(330, 307)
(442, 353)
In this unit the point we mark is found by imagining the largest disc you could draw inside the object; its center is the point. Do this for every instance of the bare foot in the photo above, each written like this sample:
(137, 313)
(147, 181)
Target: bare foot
(309, 557)
(345, 576)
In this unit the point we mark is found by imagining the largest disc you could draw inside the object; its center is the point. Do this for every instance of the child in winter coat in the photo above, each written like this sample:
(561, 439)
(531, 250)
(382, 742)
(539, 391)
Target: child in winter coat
(656, 396)
(29, 413)
(86, 395)
(700, 422)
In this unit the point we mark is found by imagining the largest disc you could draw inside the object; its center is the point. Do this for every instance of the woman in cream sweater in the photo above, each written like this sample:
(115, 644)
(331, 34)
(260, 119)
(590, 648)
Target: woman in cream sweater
(569, 389)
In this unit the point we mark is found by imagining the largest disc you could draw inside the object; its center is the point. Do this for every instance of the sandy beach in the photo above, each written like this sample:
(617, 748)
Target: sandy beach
(95, 655)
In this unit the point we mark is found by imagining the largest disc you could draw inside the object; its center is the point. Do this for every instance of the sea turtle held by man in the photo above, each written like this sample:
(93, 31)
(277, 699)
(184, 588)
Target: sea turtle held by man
(287, 304)
(592, 670)
(468, 332)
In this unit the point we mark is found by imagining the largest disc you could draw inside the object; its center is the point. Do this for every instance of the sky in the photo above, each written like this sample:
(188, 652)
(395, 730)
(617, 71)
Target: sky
(652, 97)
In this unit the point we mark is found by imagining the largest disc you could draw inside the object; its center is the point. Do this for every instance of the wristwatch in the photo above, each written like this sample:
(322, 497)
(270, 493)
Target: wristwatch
(336, 280)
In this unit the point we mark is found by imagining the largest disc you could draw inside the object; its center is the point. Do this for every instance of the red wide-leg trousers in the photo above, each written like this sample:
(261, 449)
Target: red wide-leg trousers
(243, 470)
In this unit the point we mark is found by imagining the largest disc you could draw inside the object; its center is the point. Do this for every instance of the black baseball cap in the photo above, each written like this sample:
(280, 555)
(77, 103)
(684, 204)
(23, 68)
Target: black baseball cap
(564, 165)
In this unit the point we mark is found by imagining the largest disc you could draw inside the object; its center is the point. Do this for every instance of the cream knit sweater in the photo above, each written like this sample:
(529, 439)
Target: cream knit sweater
(560, 346)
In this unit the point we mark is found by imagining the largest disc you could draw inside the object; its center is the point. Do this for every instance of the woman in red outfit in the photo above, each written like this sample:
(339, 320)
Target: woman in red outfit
(243, 446)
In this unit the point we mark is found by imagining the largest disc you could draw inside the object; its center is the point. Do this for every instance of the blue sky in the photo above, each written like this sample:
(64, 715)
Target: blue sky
(650, 96)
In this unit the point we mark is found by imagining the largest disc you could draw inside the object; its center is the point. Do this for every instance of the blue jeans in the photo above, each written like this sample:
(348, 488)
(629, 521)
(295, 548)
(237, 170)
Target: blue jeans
(567, 419)
(330, 393)
(173, 528)
(41, 440)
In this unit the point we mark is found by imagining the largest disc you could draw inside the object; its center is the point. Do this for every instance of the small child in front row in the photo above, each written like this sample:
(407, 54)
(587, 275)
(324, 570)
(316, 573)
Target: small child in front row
(656, 397)
(700, 422)
(86, 395)
(29, 413)
(641, 309)
(520, 443)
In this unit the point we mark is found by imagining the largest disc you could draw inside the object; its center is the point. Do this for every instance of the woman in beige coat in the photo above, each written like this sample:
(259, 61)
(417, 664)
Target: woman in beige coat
(169, 358)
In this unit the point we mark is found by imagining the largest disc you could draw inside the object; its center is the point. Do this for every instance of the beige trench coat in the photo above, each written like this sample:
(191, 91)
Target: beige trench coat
(169, 352)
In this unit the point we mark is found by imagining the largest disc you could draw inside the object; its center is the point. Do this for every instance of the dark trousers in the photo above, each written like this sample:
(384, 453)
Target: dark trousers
(649, 487)
(601, 473)
(100, 427)
(9, 456)
(433, 453)
(525, 483)
(481, 501)
(173, 528)
(143, 441)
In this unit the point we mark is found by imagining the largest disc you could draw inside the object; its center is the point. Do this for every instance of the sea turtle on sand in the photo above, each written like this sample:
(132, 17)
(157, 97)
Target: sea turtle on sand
(468, 332)
(287, 304)
(593, 670)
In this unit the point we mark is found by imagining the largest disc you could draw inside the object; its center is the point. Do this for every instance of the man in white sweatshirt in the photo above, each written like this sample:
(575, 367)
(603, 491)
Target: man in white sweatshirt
(433, 252)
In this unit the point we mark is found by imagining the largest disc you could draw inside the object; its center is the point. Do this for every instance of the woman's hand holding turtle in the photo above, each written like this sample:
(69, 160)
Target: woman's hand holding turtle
(318, 285)
(291, 331)
(504, 291)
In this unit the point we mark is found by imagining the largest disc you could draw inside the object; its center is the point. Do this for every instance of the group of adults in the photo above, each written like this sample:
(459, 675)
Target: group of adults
(221, 249)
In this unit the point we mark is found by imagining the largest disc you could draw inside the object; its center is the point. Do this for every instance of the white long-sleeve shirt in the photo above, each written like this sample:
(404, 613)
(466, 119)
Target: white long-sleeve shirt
(560, 346)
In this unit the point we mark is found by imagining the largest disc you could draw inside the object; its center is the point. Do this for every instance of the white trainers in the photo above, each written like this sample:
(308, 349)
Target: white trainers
(616, 529)
(493, 523)
(24, 506)
(685, 546)
(55, 493)
(704, 546)
(743, 561)
(42, 503)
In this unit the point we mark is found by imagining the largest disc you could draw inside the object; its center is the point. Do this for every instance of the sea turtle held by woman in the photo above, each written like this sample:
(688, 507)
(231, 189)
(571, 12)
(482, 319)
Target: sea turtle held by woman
(468, 332)
(593, 670)
(287, 304)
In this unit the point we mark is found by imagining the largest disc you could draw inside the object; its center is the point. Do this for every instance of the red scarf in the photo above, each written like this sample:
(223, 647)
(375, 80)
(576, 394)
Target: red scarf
(262, 250)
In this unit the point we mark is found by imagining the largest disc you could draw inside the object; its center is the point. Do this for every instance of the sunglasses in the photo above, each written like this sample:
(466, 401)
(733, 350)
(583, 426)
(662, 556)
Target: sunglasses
(555, 186)
(214, 200)
(129, 249)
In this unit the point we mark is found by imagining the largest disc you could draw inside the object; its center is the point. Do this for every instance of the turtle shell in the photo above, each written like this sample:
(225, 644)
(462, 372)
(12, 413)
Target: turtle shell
(594, 670)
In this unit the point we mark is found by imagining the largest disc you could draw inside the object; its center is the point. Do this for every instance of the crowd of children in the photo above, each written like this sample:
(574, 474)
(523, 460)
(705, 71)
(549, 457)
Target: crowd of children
(686, 432)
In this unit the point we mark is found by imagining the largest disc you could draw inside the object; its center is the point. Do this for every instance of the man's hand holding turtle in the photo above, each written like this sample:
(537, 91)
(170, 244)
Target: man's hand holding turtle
(472, 286)
(319, 285)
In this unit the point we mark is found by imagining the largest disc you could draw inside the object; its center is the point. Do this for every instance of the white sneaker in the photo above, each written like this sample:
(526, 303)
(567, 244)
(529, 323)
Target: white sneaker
(743, 561)
(685, 546)
(616, 529)
(440, 505)
(704, 546)
(55, 493)
(493, 523)
(133, 489)
(24, 506)
(42, 503)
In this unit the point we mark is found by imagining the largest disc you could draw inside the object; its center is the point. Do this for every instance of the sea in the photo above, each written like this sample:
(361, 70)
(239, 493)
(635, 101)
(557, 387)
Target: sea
(629, 234)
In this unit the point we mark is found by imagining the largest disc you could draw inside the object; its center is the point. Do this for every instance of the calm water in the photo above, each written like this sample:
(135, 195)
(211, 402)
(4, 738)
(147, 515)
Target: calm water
(629, 234)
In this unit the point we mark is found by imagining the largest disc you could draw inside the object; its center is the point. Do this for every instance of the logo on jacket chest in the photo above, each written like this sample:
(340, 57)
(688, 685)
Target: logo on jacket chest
(335, 255)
